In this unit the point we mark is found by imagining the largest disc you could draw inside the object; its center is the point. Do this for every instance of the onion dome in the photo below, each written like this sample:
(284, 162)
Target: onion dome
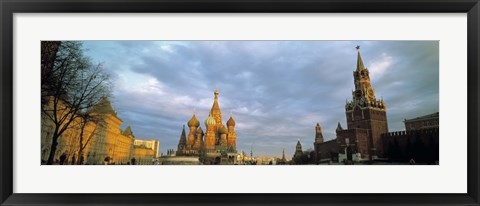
(199, 131)
(231, 122)
(210, 121)
(193, 122)
(223, 130)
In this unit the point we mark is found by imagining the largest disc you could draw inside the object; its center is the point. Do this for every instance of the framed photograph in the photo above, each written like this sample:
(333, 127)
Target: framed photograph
(239, 102)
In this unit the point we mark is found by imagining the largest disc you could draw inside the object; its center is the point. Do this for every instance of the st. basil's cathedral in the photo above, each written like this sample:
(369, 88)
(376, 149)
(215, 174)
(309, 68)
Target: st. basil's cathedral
(216, 145)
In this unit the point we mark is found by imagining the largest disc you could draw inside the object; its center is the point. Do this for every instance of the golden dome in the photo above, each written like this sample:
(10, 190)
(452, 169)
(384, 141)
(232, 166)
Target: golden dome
(193, 122)
(210, 121)
(231, 122)
(223, 130)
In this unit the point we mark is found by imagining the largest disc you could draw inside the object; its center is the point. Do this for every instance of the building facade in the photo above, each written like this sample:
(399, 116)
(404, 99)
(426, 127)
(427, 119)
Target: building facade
(424, 122)
(103, 141)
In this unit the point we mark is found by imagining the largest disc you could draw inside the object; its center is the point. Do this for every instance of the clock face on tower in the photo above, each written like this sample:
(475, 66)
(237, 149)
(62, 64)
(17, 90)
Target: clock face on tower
(358, 93)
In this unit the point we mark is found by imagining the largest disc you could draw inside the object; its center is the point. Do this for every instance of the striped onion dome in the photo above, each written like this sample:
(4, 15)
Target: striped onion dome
(210, 121)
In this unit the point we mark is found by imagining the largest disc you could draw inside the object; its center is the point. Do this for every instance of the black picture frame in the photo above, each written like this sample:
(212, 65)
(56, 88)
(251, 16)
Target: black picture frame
(10, 7)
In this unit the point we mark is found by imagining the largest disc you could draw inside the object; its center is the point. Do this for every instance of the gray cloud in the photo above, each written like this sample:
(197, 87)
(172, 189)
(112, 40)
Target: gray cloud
(277, 90)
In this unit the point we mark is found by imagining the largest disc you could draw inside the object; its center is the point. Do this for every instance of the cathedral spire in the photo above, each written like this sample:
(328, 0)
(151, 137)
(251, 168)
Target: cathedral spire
(183, 137)
(360, 65)
(215, 111)
(182, 143)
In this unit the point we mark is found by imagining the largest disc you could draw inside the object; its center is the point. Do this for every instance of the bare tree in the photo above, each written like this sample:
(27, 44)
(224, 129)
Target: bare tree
(75, 85)
(48, 55)
(85, 118)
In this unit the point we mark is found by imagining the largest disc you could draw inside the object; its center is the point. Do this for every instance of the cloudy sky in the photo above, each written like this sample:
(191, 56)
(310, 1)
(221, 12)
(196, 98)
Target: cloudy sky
(276, 90)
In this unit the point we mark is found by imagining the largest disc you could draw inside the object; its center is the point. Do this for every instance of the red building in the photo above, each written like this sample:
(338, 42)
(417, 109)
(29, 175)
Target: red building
(366, 136)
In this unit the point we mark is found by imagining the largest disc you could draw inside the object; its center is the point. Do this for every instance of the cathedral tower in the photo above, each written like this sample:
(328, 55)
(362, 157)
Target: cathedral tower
(210, 136)
(197, 145)
(192, 124)
(216, 113)
(365, 111)
(223, 136)
(182, 143)
(232, 136)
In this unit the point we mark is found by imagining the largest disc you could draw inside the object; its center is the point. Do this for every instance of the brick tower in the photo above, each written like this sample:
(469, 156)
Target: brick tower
(365, 111)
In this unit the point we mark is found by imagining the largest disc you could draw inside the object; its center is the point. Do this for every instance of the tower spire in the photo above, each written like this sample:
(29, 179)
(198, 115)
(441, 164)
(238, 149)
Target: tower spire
(183, 137)
(215, 111)
(339, 127)
(360, 65)
(318, 134)
(182, 143)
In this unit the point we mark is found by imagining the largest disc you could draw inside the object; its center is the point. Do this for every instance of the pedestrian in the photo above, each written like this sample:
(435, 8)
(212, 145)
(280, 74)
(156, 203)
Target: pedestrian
(63, 157)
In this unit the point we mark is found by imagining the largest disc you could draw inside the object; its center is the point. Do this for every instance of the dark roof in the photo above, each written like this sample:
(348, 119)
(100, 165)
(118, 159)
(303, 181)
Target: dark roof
(428, 116)
(104, 107)
(128, 131)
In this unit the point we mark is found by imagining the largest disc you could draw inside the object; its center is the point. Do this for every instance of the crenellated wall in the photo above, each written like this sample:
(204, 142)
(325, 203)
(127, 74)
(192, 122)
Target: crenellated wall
(420, 145)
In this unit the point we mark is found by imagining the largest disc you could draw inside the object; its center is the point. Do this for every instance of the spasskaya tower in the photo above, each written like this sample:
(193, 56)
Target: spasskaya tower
(365, 111)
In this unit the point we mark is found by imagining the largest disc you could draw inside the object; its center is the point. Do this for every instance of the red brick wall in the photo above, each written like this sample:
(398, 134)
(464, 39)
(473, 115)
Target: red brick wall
(373, 120)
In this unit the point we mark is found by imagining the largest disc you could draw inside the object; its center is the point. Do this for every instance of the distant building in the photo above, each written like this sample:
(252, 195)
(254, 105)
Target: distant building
(153, 145)
(298, 150)
(145, 151)
(283, 160)
(424, 122)
(302, 157)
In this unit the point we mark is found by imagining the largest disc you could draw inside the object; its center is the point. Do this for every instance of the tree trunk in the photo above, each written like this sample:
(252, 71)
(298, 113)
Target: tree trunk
(80, 148)
(53, 148)
(80, 157)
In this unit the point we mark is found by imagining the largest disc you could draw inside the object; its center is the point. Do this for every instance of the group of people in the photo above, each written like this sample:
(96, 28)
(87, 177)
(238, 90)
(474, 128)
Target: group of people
(63, 160)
